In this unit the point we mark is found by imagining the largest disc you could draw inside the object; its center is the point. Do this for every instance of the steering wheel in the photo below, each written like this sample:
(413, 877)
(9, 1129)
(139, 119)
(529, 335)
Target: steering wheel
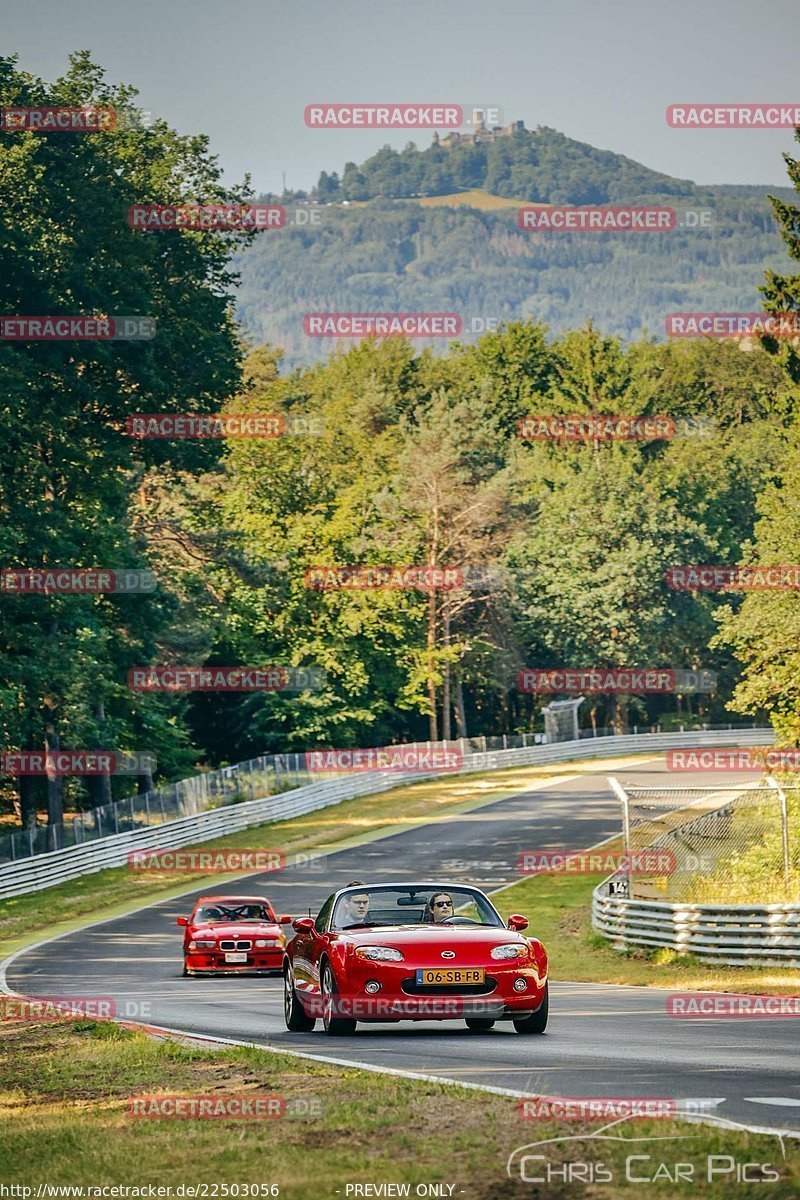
(459, 921)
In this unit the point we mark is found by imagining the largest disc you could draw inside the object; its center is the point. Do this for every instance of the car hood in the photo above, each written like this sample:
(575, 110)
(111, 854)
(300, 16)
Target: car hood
(431, 935)
(229, 929)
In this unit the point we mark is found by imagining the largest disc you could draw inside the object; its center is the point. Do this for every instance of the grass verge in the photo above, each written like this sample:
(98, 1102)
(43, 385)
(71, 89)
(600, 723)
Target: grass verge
(66, 1088)
(560, 909)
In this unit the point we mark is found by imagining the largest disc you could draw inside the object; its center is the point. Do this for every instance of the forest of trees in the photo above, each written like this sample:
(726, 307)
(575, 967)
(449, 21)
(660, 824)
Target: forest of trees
(393, 256)
(402, 456)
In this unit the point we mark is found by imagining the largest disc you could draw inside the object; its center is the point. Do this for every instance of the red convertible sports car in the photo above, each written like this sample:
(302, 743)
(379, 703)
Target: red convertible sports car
(413, 952)
(233, 934)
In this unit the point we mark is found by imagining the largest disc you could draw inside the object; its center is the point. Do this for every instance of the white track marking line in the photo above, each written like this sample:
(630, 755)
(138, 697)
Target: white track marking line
(447, 1081)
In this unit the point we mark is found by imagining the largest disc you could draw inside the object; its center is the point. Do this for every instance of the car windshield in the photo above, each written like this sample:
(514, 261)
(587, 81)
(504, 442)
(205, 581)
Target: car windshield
(366, 907)
(233, 911)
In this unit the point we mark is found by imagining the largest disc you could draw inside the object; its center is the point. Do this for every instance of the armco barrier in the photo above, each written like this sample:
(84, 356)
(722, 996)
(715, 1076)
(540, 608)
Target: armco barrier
(58, 866)
(736, 934)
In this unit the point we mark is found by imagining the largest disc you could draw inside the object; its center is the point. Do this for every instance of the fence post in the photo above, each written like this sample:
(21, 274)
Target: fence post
(622, 796)
(773, 783)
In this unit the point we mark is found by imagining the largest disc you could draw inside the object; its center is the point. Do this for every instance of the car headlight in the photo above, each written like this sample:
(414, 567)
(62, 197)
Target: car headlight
(379, 953)
(510, 950)
(202, 944)
(262, 942)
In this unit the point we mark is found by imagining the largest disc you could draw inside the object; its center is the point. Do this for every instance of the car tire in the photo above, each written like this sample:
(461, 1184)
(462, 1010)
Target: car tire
(334, 1026)
(296, 1017)
(185, 969)
(536, 1022)
(479, 1024)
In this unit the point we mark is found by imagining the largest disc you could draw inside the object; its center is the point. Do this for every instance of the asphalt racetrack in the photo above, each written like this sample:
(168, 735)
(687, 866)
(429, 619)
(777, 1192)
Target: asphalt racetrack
(602, 1040)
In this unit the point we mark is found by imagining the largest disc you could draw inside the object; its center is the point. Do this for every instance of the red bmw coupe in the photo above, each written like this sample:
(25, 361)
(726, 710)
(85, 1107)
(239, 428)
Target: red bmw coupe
(413, 952)
(233, 934)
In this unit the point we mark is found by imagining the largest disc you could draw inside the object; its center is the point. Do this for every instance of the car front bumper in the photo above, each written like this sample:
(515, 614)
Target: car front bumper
(400, 1000)
(210, 962)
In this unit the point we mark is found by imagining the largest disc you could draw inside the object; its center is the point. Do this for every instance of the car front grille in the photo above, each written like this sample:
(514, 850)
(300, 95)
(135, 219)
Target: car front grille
(230, 944)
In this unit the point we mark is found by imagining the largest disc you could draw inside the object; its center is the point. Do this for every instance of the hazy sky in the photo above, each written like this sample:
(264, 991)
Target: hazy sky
(602, 71)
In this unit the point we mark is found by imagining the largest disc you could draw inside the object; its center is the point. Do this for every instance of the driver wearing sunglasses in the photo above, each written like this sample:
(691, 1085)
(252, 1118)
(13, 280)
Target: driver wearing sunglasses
(440, 907)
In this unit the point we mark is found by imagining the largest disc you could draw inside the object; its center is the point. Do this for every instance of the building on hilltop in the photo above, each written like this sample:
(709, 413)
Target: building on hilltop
(481, 133)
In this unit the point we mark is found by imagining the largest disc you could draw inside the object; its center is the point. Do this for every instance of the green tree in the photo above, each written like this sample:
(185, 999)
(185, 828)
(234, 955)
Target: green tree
(70, 469)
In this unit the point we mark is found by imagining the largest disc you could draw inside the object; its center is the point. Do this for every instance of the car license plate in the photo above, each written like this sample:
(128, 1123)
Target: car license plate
(236, 956)
(449, 976)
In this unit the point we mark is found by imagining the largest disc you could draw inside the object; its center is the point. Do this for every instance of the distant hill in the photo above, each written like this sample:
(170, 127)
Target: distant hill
(436, 230)
(533, 165)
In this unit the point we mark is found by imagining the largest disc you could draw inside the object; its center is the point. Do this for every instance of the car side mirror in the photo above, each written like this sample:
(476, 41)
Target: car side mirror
(182, 921)
(284, 920)
(517, 922)
(303, 924)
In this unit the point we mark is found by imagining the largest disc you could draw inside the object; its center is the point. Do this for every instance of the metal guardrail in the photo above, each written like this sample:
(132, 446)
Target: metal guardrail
(732, 934)
(738, 935)
(58, 866)
(265, 775)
